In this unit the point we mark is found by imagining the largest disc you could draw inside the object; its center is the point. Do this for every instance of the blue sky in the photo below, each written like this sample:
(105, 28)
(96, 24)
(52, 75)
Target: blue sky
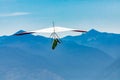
(102, 15)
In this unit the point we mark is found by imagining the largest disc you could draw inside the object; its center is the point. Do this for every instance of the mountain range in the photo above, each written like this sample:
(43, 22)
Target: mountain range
(84, 57)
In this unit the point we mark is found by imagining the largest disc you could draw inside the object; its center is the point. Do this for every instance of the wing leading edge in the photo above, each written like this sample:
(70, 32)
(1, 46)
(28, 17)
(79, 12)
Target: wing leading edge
(23, 33)
(50, 30)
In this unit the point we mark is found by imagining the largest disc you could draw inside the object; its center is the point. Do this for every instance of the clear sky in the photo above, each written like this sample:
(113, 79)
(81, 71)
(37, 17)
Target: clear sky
(102, 15)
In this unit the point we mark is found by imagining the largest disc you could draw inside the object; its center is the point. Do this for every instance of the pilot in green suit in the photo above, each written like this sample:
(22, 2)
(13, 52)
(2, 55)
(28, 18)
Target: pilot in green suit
(55, 42)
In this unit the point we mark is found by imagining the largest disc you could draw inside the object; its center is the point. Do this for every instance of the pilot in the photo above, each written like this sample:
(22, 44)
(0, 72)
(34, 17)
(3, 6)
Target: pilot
(55, 42)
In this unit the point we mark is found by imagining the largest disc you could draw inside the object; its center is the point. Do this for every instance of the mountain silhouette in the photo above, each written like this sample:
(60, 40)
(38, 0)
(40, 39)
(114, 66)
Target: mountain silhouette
(29, 56)
(107, 42)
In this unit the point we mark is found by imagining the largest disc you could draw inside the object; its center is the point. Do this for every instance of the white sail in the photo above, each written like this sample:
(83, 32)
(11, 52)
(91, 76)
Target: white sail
(51, 29)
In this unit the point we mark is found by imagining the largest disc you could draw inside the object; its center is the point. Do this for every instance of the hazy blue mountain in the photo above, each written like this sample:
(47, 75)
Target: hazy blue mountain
(112, 72)
(107, 42)
(30, 57)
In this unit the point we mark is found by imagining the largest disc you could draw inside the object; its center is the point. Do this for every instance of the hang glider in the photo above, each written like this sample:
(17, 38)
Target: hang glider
(53, 33)
(50, 30)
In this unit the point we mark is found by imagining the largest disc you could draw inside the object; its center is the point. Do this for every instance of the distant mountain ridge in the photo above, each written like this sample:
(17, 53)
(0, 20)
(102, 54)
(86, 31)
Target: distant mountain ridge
(107, 42)
(73, 59)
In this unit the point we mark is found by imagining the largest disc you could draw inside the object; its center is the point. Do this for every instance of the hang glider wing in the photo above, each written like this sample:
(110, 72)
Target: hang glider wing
(23, 33)
(50, 30)
(79, 31)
